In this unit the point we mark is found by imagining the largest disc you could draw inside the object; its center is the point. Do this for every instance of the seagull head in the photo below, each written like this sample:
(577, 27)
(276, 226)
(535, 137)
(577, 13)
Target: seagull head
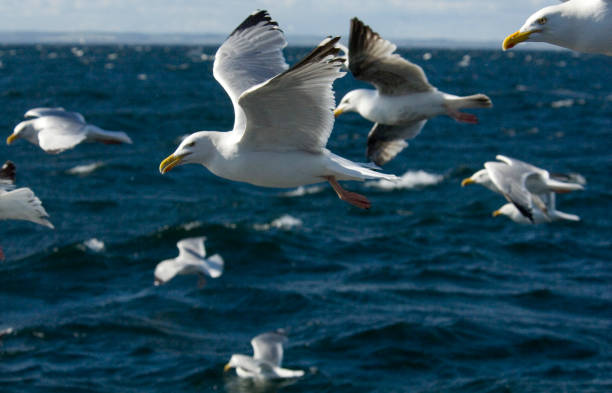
(480, 177)
(165, 271)
(350, 102)
(197, 148)
(542, 26)
(23, 130)
(507, 210)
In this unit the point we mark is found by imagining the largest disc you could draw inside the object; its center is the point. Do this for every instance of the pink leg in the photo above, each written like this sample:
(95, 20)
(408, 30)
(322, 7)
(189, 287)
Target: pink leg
(353, 198)
(1, 254)
(463, 117)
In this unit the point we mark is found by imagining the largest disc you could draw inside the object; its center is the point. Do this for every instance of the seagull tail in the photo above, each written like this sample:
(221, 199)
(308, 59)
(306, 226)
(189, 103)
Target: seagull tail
(108, 137)
(562, 187)
(348, 170)
(473, 101)
(558, 215)
(286, 373)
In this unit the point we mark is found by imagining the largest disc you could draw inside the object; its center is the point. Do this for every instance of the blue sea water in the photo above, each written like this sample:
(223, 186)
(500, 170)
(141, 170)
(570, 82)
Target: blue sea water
(425, 292)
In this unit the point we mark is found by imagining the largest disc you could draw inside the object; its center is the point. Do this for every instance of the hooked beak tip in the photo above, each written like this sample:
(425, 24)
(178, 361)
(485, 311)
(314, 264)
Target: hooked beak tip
(337, 112)
(466, 181)
(11, 138)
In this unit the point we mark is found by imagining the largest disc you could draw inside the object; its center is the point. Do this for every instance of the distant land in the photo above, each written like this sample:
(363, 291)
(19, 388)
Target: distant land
(97, 38)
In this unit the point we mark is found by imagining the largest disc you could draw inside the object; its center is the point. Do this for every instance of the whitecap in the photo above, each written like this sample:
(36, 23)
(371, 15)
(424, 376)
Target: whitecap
(426, 56)
(85, 169)
(410, 179)
(301, 191)
(285, 222)
(94, 244)
(562, 103)
(191, 225)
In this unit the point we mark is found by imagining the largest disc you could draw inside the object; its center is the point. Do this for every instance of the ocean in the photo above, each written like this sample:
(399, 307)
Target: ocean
(425, 292)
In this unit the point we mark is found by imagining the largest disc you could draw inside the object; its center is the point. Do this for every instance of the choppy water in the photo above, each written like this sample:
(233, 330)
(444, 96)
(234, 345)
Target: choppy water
(425, 292)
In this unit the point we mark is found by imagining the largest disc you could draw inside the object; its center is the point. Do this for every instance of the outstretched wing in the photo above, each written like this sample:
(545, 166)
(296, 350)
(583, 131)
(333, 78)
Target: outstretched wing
(22, 204)
(269, 347)
(371, 59)
(58, 111)
(511, 182)
(58, 133)
(191, 249)
(293, 111)
(385, 141)
(252, 54)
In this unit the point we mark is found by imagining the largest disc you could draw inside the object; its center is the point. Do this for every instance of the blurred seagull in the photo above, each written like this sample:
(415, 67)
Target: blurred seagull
(581, 25)
(21, 203)
(55, 130)
(189, 261)
(525, 186)
(283, 117)
(266, 360)
(403, 99)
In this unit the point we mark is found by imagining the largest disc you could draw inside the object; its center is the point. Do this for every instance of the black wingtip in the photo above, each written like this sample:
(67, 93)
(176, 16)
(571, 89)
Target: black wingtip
(8, 171)
(320, 52)
(254, 19)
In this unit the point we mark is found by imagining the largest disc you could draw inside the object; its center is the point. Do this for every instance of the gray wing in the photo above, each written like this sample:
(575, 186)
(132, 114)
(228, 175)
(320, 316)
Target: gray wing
(58, 133)
(191, 249)
(385, 141)
(294, 110)
(58, 111)
(269, 347)
(371, 59)
(518, 163)
(511, 182)
(252, 54)
(8, 174)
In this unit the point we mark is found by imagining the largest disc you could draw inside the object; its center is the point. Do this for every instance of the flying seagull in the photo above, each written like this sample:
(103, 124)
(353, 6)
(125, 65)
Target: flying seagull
(55, 130)
(403, 100)
(283, 117)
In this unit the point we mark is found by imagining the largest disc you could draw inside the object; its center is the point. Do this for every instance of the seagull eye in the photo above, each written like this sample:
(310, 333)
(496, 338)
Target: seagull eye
(190, 144)
(542, 20)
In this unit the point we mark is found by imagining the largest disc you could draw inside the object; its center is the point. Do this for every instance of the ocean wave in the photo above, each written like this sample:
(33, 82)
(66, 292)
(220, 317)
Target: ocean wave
(86, 169)
(285, 222)
(301, 191)
(94, 245)
(410, 179)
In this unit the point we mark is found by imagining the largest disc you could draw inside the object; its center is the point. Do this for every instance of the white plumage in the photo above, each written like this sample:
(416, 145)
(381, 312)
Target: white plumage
(283, 117)
(191, 260)
(266, 360)
(581, 25)
(55, 130)
(403, 100)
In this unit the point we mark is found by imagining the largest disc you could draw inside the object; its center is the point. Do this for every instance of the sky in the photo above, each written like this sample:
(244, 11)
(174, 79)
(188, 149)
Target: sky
(467, 20)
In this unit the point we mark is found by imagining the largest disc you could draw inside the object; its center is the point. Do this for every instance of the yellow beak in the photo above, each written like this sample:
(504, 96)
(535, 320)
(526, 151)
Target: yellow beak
(516, 38)
(11, 139)
(337, 112)
(170, 162)
(467, 181)
(496, 213)
(226, 368)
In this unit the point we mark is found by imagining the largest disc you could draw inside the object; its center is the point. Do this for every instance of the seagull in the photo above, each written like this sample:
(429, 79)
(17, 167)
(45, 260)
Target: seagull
(283, 116)
(20, 203)
(580, 25)
(55, 130)
(403, 100)
(522, 184)
(189, 261)
(538, 216)
(266, 360)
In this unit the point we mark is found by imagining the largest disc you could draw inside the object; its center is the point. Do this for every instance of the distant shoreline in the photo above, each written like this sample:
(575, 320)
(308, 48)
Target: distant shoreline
(111, 38)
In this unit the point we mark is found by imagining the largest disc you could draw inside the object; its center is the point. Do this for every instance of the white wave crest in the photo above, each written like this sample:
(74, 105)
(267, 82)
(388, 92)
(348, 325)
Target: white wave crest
(301, 191)
(410, 179)
(94, 244)
(85, 169)
(284, 222)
